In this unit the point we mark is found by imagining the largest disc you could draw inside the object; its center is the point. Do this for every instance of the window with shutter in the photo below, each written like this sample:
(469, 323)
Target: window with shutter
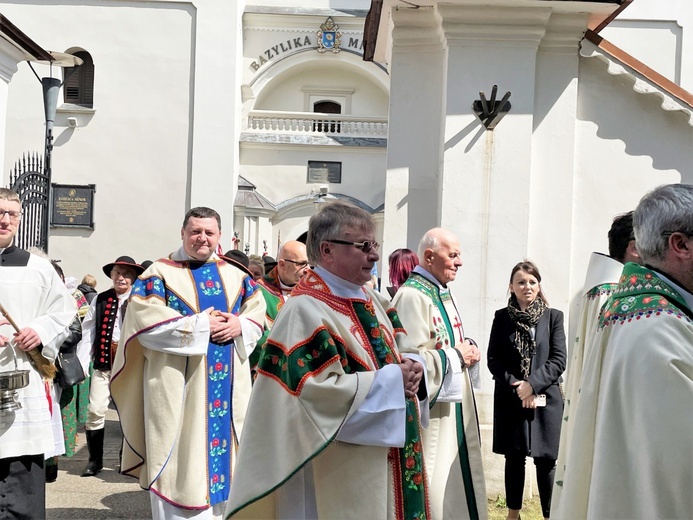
(78, 86)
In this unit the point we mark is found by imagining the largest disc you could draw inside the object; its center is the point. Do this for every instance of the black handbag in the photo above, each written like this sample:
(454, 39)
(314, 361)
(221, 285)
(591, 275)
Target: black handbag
(70, 371)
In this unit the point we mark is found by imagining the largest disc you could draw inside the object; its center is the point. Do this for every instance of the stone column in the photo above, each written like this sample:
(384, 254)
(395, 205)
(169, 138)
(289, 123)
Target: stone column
(214, 161)
(414, 153)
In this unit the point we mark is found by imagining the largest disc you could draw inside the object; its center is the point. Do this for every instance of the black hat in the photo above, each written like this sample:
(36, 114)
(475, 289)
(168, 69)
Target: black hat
(233, 259)
(270, 263)
(238, 255)
(123, 260)
(146, 264)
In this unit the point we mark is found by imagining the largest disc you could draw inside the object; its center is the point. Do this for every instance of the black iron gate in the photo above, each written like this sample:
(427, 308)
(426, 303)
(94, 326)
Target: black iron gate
(32, 185)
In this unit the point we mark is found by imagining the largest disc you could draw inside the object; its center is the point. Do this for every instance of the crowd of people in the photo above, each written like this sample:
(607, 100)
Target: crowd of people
(293, 389)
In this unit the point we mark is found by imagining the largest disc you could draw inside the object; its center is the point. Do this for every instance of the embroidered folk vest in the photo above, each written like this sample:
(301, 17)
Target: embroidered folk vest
(106, 314)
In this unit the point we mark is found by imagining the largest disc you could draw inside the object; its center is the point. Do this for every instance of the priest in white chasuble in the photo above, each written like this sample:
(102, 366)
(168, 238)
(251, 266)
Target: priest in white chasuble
(333, 428)
(603, 273)
(630, 454)
(452, 444)
(181, 382)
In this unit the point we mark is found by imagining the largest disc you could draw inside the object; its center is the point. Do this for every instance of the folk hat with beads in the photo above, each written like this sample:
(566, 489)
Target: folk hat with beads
(126, 261)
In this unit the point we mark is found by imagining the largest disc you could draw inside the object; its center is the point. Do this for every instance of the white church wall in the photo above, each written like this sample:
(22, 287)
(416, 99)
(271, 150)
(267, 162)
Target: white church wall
(280, 172)
(659, 37)
(626, 145)
(165, 111)
(326, 4)
(135, 142)
(331, 78)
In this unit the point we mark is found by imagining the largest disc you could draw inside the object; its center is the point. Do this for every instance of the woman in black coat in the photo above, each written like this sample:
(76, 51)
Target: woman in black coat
(526, 355)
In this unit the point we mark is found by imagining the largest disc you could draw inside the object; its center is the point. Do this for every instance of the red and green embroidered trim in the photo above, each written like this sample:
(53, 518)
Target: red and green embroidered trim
(604, 289)
(641, 294)
(292, 368)
(409, 472)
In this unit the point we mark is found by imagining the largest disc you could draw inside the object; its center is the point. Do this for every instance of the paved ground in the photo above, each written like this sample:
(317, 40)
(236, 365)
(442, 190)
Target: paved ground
(108, 495)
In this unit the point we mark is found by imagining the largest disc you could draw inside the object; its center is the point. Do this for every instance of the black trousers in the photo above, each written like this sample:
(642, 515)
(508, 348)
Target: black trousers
(515, 481)
(22, 488)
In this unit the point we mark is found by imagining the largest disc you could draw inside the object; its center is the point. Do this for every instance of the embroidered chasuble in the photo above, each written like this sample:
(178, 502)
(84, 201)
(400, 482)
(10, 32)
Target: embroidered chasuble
(35, 297)
(601, 281)
(316, 370)
(631, 449)
(182, 407)
(452, 444)
(275, 297)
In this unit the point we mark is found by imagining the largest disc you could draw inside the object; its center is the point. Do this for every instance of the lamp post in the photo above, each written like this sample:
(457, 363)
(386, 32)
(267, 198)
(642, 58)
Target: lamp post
(51, 89)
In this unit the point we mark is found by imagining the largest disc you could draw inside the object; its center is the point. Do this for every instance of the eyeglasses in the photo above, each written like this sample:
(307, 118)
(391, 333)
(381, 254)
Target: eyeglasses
(14, 215)
(366, 246)
(669, 233)
(300, 265)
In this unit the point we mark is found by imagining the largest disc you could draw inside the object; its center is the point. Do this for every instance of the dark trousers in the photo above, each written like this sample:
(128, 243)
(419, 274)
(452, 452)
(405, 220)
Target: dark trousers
(22, 488)
(515, 481)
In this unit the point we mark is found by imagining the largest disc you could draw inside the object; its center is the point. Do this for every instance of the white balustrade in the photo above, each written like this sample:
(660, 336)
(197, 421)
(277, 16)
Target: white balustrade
(266, 121)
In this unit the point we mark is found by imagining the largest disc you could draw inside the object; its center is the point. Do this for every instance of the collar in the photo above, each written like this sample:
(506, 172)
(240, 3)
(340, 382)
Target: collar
(285, 288)
(601, 269)
(686, 295)
(182, 256)
(339, 286)
(428, 276)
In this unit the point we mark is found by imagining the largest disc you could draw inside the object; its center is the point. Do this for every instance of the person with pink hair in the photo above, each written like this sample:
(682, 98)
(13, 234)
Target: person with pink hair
(402, 262)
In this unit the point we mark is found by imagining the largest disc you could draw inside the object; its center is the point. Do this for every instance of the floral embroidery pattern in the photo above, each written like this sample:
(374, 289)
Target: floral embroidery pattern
(640, 294)
(173, 302)
(211, 293)
(210, 285)
(439, 332)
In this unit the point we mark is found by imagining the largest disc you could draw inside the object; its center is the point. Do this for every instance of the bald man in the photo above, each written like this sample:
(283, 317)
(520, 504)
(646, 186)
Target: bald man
(429, 314)
(276, 286)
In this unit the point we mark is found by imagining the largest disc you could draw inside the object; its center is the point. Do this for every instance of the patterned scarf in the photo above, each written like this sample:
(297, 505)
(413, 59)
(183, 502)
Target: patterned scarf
(525, 344)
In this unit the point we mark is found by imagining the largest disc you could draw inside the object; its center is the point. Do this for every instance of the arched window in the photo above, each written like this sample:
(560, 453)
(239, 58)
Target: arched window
(327, 107)
(78, 87)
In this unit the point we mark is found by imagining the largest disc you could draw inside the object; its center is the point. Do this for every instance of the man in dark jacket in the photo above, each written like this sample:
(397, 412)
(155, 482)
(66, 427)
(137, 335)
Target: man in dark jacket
(101, 331)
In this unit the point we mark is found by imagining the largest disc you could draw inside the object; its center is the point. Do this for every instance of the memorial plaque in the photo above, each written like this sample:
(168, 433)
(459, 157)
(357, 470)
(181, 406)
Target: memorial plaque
(73, 206)
(325, 172)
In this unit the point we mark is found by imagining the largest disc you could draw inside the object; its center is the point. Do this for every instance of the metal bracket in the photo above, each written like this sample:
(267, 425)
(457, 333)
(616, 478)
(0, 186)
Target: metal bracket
(490, 112)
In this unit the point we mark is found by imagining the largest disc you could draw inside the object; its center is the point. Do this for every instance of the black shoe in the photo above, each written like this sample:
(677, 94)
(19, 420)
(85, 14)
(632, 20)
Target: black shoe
(51, 473)
(92, 469)
(95, 446)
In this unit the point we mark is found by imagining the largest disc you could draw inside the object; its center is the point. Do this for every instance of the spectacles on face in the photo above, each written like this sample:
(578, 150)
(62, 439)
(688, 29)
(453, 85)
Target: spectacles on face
(669, 233)
(367, 246)
(300, 265)
(14, 215)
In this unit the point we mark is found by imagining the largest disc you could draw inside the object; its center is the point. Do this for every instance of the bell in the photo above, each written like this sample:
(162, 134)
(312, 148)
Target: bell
(10, 382)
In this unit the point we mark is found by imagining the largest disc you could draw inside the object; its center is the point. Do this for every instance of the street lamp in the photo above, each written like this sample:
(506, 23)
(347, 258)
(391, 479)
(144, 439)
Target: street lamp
(51, 89)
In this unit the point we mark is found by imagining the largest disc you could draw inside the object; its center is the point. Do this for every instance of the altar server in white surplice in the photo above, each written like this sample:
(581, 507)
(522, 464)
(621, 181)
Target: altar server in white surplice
(42, 307)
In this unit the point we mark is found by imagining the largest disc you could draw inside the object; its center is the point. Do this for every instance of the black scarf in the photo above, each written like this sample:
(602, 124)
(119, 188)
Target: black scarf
(525, 344)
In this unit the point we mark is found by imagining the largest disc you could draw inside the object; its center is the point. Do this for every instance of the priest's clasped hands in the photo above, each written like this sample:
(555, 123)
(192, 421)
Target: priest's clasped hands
(223, 326)
(412, 372)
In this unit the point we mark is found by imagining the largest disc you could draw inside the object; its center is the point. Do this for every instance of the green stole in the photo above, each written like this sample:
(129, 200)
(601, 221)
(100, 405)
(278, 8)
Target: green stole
(432, 291)
(409, 470)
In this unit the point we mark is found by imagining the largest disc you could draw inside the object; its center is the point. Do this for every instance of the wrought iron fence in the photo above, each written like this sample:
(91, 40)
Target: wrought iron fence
(31, 183)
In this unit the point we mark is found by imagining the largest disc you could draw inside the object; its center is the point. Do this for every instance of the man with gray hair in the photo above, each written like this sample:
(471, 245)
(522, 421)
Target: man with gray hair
(430, 315)
(631, 451)
(333, 426)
